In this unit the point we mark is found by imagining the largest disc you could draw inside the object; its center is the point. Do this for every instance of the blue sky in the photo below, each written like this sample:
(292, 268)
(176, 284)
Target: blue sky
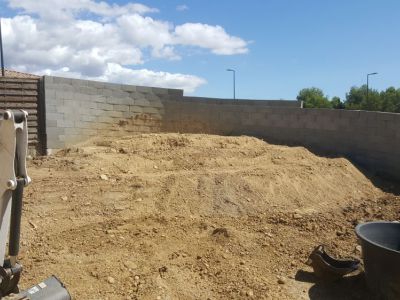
(281, 46)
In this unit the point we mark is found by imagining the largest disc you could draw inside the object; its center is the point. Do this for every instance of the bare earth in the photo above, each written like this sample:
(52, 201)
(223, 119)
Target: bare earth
(170, 216)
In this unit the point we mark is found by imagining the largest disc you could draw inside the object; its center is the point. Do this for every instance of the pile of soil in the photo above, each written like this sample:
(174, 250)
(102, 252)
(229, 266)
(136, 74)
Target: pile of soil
(180, 216)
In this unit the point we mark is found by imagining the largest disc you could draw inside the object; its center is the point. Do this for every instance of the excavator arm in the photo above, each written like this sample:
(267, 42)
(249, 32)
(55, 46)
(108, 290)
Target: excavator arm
(13, 179)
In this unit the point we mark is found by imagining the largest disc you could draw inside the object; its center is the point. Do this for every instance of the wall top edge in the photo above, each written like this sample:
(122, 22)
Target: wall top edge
(59, 79)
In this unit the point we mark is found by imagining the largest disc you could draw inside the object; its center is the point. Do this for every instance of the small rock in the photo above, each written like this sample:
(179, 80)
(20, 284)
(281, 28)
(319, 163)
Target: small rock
(221, 231)
(281, 280)
(155, 167)
(137, 278)
(34, 226)
(64, 198)
(297, 216)
(250, 293)
(358, 249)
(123, 150)
(103, 177)
(110, 280)
(130, 265)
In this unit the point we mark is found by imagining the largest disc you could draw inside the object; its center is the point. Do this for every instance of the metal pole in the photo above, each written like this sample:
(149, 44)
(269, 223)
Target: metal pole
(368, 82)
(1, 52)
(234, 82)
(234, 85)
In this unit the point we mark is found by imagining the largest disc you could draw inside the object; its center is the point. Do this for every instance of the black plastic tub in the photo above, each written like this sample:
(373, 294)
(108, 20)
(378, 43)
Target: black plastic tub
(380, 242)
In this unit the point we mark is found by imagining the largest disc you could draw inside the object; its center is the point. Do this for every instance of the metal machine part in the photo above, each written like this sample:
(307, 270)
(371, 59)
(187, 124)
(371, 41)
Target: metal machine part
(50, 289)
(329, 268)
(13, 179)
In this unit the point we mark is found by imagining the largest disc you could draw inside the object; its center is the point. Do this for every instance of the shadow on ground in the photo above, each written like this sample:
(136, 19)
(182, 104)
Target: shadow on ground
(348, 288)
(386, 182)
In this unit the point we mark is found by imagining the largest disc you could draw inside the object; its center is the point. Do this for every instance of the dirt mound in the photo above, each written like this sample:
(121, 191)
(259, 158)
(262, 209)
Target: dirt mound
(169, 216)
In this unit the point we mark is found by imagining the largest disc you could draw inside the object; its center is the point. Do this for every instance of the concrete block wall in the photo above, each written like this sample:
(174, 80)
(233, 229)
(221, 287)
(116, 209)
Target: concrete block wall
(371, 139)
(77, 110)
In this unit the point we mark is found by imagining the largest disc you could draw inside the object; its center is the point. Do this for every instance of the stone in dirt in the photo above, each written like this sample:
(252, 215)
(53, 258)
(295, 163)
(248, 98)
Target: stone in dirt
(110, 280)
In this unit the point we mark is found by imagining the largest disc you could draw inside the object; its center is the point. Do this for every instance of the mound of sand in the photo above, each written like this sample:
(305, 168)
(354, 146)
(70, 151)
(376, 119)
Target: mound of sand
(170, 216)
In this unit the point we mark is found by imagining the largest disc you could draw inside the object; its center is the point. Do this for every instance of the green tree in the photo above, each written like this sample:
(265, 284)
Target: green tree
(337, 103)
(313, 98)
(390, 100)
(357, 99)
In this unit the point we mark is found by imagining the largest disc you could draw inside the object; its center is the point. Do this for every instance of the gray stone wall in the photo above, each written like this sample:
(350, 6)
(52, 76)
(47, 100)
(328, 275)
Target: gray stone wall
(77, 110)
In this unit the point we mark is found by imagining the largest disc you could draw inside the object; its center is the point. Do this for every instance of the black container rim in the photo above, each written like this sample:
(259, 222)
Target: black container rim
(358, 227)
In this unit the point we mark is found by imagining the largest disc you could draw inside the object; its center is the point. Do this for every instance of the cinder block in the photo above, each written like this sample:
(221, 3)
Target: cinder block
(79, 82)
(119, 94)
(117, 107)
(98, 98)
(65, 123)
(54, 116)
(141, 102)
(105, 106)
(83, 125)
(73, 116)
(89, 132)
(54, 132)
(159, 91)
(63, 95)
(175, 93)
(127, 114)
(105, 92)
(114, 114)
(51, 108)
(88, 118)
(72, 131)
(105, 119)
(135, 108)
(88, 104)
(55, 144)
(120, 101)
(97, 112)
(87, 90)
(113, 86)
(62, 80)
(151, 110)
(51, 123)
(96, 84)
(144, 89)
(48, 79)
(129, 88)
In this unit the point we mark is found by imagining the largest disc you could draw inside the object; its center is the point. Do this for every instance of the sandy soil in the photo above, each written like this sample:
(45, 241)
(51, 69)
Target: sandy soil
(169, 216)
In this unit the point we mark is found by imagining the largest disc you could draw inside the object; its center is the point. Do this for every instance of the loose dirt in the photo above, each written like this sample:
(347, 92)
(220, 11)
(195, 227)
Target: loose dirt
(170, 216)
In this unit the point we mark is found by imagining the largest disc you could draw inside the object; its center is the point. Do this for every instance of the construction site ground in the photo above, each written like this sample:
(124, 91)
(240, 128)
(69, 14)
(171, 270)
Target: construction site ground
(181, 216)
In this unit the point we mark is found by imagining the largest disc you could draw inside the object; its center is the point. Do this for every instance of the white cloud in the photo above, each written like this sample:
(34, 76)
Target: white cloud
(117, 73)
(62, 9)
(99, 40)
(214, 38)
(182, 7)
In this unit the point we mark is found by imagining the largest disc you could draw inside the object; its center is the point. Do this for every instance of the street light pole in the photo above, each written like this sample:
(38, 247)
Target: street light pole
(368, 82)
(1, 52)
(234, 82)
